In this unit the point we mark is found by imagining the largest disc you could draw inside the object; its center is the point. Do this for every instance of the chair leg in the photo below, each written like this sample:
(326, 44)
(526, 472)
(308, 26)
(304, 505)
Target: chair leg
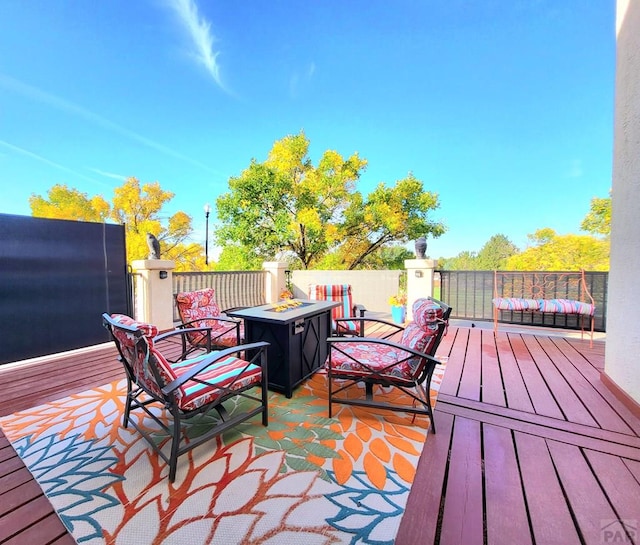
(329, 389)
(175, 445)
(127, 405)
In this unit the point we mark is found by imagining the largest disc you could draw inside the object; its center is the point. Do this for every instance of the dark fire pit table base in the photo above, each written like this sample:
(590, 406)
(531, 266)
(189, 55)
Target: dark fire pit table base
(297, 337)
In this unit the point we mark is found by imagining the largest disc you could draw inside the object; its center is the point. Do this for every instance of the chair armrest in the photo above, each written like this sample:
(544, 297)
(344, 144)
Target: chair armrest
(179, 330)
(212, 358)
(359, 310)
(364, 321)
(232, 309)
(213, 318)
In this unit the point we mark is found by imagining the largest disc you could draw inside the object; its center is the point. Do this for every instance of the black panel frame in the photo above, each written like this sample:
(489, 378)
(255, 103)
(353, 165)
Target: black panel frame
(57, 277)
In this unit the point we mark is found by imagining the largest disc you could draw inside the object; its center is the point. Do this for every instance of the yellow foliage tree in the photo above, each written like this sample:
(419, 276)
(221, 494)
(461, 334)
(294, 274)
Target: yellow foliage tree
(552, 252)
(136, 206)
(65, 203)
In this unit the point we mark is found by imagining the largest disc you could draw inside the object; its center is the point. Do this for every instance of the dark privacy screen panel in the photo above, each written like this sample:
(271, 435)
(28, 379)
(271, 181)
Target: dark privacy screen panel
(56, 279)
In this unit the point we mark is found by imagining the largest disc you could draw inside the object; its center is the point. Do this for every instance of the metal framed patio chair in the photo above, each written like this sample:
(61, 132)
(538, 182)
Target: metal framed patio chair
(343, 317)
(185, 388)
(206, 325)
(407, 364)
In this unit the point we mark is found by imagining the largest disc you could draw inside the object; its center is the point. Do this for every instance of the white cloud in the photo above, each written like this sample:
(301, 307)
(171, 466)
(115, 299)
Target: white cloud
(199, 31)
(106, 174)
(41, 159)
(296, 82)
(64, 105)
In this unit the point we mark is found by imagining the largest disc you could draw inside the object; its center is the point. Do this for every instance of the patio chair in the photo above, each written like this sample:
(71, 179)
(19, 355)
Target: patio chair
(407, 364)
(207, 328)
(185, 389)
(343, 318)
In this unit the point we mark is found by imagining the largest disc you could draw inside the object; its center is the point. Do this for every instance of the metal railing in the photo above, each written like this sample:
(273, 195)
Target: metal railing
(470, 294)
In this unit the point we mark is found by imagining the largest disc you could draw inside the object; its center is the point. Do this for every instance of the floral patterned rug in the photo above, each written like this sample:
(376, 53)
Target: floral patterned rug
(307, 478)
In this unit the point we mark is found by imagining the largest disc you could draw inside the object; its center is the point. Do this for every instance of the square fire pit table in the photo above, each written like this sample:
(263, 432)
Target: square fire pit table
(297, 337)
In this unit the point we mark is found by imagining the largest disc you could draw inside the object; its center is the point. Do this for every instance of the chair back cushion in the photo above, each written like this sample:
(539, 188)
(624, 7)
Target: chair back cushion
(139, 361)
(336, 292)
(422, 333)
(196, 305)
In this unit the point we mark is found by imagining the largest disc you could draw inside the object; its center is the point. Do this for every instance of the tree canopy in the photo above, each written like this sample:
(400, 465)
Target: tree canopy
(552, 252)
(493, 255)
(63, 203)
(314, 214)
(137, 206)
(598, 219)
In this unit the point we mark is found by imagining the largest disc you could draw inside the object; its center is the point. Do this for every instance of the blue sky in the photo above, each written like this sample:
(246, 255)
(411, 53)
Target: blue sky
(502, 107)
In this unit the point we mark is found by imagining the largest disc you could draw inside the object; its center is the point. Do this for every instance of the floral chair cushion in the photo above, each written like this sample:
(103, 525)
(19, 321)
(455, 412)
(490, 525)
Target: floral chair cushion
(361, 358)
(138, 361)
(192, 394)
(200, 308)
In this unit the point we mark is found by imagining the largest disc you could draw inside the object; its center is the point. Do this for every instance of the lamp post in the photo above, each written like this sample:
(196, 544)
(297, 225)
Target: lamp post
(207, 210)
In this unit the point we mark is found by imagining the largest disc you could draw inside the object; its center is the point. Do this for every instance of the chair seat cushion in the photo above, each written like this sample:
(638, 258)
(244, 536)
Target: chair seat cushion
(193, 394)
(358, 358)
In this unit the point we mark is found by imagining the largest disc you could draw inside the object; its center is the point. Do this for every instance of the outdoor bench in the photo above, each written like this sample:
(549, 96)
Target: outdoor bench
(545, 293)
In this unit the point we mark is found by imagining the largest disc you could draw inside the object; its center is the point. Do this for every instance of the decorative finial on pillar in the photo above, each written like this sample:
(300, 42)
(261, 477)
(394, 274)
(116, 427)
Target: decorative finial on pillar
(154, 246)
(421, 248)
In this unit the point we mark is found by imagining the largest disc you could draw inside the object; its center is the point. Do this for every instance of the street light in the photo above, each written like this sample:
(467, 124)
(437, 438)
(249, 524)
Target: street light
(207, 210)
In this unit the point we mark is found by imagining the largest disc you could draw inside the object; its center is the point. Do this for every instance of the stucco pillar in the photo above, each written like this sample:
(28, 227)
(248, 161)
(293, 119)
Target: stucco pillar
(154, 292)
(622, 367)
(276, 279)
(419, 280)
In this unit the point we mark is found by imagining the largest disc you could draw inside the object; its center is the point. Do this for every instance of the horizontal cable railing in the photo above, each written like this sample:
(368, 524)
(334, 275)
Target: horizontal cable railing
(470, 294)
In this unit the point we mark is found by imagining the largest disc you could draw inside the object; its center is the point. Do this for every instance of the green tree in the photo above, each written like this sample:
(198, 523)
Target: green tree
(238, 258)
(286, 205)
(495, 253)
(552, 252)
(598, 219)
(464, 261)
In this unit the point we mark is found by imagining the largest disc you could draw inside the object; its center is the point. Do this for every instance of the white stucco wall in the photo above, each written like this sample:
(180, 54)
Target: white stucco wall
(622, 355)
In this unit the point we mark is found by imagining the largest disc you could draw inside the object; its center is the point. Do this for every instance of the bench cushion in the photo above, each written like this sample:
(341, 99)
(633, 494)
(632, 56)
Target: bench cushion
(551, 306)
(566, 306)
(515, 303)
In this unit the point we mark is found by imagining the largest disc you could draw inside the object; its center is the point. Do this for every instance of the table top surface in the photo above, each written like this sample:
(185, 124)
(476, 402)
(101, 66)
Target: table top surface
(270, 312)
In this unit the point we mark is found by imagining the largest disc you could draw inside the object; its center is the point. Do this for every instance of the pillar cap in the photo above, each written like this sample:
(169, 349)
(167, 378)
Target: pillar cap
(153, 264)
(274, 265)
(420, 263)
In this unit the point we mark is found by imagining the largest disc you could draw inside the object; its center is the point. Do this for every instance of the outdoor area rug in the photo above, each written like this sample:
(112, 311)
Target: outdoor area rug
(307, 478)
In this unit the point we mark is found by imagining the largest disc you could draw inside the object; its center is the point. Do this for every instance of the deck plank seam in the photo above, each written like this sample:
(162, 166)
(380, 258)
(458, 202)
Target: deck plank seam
(522, 486)
(542, 430)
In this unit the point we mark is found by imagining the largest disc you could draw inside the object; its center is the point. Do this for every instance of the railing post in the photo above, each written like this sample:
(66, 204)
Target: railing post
(419, 280)
(276, 280)
(154, 292)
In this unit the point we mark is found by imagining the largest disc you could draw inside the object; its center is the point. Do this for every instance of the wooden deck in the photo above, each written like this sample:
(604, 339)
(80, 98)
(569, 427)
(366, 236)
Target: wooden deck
(531, 447)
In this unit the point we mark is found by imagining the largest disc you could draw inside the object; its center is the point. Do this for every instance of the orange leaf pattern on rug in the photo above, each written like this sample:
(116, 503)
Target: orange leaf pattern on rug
(305, 479)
